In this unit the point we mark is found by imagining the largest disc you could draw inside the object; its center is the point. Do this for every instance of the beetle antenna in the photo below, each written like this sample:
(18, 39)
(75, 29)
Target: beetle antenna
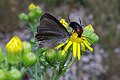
(69, 18)
(81, 22)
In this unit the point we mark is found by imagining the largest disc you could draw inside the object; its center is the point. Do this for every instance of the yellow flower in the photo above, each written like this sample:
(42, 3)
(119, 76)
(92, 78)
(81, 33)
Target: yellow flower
(14, 46)
(14, 49)
(32, 6)
(79, 43)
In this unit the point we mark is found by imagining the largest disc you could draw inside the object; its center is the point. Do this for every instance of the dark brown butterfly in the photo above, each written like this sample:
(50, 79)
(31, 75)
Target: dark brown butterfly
(51, 32)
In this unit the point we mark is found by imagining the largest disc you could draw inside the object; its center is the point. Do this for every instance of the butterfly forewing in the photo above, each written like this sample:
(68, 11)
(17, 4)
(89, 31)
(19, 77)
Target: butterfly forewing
(50, 32)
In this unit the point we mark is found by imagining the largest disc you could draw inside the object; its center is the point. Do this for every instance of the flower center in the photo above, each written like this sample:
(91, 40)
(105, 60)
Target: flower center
(75, 38)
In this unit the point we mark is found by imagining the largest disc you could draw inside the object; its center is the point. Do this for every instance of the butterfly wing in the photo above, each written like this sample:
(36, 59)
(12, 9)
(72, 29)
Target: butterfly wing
(50, 32)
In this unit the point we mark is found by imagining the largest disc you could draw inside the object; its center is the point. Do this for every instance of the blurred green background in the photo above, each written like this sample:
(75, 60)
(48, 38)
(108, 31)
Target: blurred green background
(104, 15)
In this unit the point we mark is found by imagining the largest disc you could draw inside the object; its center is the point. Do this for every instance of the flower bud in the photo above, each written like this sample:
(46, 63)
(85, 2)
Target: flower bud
(88, 30)
(29, 59)
(14, 74)
(26, 47)
(31, 16)
(32, 7)
(3, 74)
(93, 39)
(1, 55)
(23, 17)
(51, 56)
(42, 61)
(14, 49)
(38, 12)
(61, 57)
(42, 50)
(32, 41)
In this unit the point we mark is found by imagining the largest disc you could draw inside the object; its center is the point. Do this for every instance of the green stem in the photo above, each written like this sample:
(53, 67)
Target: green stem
(36, 65)
(58, 76)
(43, 75)
(61, 72)
(69, 64)
(23, 69)
(32, 27)
(62, 66)
(36, 72)
(1, 65)
(53, 73)
(6, 63)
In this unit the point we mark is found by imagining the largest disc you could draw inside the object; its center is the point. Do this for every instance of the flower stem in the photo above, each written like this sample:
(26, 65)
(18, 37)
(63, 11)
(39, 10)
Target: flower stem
(53, 74)
(32, 27)
(64, 70)
(43, 75)
(61, 67)
(36, 72)
(23, 69)
(69, 64)
(6, 63)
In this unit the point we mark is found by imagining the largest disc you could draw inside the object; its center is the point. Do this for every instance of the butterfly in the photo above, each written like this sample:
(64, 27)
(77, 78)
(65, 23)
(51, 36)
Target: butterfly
(50, 32)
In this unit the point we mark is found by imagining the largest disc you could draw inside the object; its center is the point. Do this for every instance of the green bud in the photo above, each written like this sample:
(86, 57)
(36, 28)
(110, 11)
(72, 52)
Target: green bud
(26, 47)
(88, 30)
(3, 74)
(42, 61)
(31, 16)
(93, 38)
(42, 50)
(51, 56)
(29, 59)
(32, 41)
(1, 55)
(14, 74)
(23, 17)
(38, 13)
(61, 57)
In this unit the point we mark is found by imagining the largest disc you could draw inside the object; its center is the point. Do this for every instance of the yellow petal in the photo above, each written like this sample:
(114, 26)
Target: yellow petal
(66, 47)
(64, 23)
(87, 42)
(74, 49)
(78, 48)
(59, 46)
(91, 49)
(62, 44)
